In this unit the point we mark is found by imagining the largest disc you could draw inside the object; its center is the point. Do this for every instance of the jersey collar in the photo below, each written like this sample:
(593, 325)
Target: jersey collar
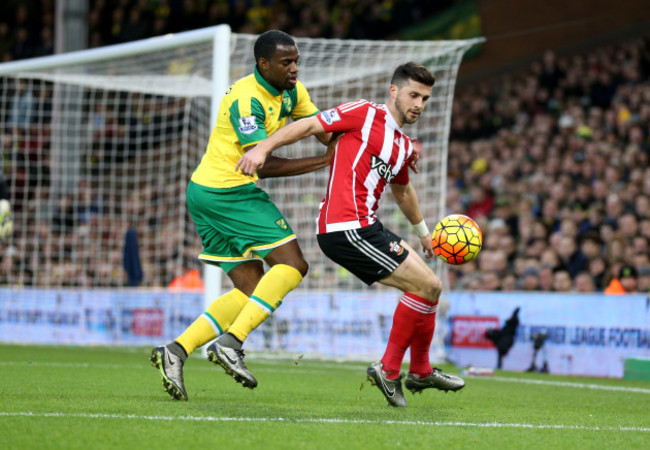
(273, 91)
(390, 119)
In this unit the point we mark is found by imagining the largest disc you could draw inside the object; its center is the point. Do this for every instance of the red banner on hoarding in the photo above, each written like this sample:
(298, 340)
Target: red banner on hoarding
(148, 322)
(469, 331)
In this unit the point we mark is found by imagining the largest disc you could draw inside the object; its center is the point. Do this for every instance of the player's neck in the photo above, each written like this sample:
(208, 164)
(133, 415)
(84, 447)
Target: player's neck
(390, 106)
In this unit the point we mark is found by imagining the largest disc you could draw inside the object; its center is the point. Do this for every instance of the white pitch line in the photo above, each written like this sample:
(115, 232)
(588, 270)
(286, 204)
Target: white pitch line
(322, 421)
(573, 384)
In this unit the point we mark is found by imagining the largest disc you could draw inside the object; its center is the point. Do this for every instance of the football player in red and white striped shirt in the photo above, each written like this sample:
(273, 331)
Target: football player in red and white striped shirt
(372, 153)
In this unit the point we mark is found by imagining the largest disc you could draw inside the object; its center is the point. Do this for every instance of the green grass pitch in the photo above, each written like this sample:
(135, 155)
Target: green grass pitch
(100, 397)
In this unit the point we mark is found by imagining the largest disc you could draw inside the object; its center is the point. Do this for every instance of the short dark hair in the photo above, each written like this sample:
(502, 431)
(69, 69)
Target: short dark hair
(627, 271)
(412, 71)
(267, 43)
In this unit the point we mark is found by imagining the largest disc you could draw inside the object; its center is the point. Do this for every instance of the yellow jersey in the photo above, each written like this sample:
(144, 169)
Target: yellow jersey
(250, 111)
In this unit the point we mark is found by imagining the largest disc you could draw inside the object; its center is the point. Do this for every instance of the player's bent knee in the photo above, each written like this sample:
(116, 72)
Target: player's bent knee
(437, 286)
(301, 266)
(290, 255)
(433, 289)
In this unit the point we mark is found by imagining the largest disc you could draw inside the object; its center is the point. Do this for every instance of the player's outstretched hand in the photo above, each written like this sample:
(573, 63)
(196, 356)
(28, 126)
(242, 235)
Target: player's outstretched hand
(427, 246)
(251, 161)
(331, 145)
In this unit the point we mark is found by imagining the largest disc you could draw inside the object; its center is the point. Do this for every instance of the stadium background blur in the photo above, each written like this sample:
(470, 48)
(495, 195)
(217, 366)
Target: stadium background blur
(550, 137)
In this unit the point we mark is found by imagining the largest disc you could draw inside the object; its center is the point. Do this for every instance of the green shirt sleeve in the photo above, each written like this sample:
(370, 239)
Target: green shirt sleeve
(247, 118)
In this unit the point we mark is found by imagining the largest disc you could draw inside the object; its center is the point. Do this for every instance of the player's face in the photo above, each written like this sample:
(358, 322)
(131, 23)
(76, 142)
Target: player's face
(410, 100)
(281, 71)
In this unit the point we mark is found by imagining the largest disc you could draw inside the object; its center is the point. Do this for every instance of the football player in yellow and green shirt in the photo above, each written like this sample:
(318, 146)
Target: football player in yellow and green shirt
(237, 222)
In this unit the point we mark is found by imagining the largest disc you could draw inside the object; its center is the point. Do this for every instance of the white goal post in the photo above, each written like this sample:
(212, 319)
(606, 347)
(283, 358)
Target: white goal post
(98, 146)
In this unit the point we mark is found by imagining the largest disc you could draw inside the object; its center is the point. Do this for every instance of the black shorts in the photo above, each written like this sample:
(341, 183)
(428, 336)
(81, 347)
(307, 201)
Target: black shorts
(371, 253)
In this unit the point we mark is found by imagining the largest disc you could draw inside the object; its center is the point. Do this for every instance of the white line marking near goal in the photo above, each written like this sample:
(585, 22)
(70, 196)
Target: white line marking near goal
(323, 420)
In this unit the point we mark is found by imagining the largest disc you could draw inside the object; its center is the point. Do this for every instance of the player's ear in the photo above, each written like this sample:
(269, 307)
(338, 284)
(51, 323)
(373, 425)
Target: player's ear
(263, 64)
(393, 91)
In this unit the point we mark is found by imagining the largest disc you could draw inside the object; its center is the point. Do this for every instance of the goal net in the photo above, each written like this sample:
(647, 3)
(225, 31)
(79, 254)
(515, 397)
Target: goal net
(98, 147)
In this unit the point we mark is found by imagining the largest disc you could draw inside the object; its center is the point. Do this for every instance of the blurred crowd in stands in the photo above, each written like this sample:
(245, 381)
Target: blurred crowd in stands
(554, 163)
(551, 160)
(26, 29)
(351, 19)
(27, 26)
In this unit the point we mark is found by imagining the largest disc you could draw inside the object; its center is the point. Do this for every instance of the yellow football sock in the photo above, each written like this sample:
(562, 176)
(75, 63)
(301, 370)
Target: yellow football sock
(267, 297)
(214, 322)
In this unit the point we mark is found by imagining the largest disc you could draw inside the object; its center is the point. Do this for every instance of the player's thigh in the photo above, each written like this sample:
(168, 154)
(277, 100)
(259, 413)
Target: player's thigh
(289, 254)
(415, 276)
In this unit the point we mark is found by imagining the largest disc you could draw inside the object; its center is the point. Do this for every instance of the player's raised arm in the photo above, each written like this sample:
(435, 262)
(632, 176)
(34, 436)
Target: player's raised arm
(325, 138)
(253, 160)
(407, 200)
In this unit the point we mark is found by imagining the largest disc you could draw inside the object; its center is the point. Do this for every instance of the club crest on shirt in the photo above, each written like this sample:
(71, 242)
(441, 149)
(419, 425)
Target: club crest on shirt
(247, 125)
(330, 116)
(286, 103)
(396, 248)
(282, 224)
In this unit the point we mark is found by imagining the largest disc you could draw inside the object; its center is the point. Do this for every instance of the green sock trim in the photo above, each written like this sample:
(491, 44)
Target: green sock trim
(214, 321)
(264, 304)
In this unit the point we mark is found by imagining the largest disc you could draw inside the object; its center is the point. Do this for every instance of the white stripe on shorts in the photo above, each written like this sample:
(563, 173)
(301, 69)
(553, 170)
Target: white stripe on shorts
(370, 251)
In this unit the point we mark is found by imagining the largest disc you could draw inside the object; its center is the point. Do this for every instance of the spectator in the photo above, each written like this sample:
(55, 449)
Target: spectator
(23, 47)
(546, 278)
(598, 270)
(591, 245)
(117, 25)
(562, 281)
(46, 44)
(530, 280)
(190, 280)
(481, 203)
(509, 282)
(22, 107)
(571, 258)
(625, 283)
(644, 279)
(137, 27)
(584, 283)
(64, 217)
(6, 40)
(491, 281)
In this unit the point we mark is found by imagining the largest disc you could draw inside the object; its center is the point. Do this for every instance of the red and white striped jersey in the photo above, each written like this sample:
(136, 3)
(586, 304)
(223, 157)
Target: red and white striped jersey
(372, 153)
